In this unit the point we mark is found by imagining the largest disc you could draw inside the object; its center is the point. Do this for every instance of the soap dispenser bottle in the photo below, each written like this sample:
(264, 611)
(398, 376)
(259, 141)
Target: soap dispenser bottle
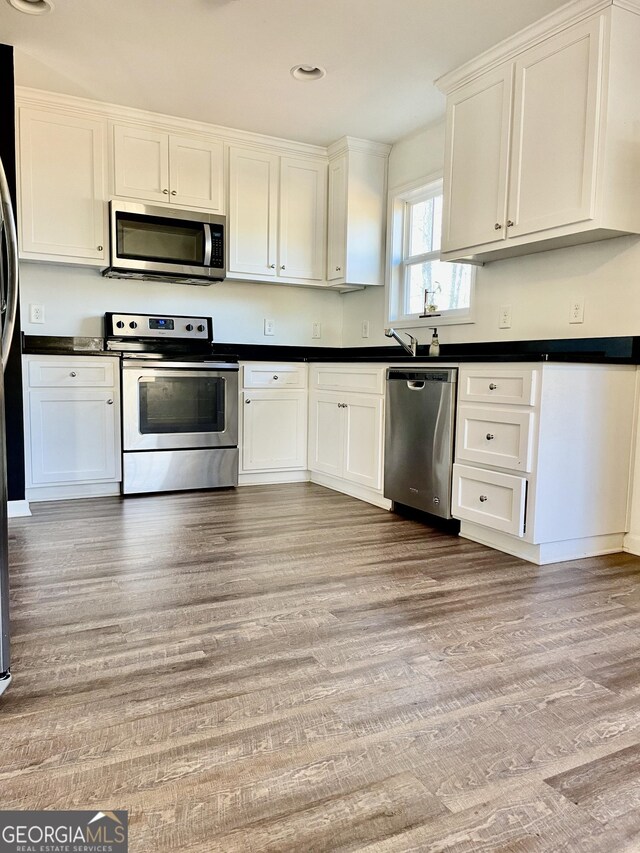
(434, 346)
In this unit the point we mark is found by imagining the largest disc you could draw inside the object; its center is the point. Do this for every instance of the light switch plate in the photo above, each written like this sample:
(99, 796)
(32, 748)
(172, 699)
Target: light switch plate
(269, 327)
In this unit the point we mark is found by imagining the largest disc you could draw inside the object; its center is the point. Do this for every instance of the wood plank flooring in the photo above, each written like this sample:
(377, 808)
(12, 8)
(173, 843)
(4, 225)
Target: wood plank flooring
(283, 668)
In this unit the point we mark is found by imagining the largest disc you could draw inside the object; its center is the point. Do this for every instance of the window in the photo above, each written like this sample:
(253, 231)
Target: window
(419, 282)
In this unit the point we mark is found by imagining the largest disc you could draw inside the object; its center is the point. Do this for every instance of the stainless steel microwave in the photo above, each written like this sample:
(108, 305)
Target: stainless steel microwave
(155, 243)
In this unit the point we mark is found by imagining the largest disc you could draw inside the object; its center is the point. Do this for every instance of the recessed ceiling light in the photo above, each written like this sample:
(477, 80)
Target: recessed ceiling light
(32, 7)
(307, 72)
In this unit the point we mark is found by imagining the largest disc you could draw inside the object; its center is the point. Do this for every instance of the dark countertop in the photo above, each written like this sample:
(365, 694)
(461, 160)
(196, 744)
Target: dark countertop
(611, 350)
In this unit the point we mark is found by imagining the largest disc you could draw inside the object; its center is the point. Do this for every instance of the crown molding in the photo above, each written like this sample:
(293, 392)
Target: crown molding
(566, 16)
(364, 146)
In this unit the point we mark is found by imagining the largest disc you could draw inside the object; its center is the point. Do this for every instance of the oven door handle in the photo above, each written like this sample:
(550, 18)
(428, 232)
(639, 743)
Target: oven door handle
(208, 244)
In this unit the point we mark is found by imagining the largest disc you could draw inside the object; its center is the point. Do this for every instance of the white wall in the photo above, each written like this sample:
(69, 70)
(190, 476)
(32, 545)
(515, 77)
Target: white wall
(76, 298)
(539, 287)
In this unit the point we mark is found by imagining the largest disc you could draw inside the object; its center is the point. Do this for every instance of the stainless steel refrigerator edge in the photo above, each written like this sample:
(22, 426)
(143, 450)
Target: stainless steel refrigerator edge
(8, 306)
(419, 431)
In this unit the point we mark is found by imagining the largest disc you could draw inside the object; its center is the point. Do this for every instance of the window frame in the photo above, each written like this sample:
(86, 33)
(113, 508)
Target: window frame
(399, 263)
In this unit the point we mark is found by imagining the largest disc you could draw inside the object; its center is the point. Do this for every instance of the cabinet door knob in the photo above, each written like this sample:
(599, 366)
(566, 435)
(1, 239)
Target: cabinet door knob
(338, 269)
(282, 267)
(492, 386)
(99, 248)
(510, 223)
(174, 192)
(275, 376)
(272, 266)
(246, 402)
(498, 226)
(166, 192)
(483, 498)
(109, 402)
(73, 373)
(490, 436)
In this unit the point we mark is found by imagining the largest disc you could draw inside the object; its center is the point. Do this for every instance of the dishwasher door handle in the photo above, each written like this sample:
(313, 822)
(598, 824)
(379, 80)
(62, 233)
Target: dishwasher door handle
(414, 385)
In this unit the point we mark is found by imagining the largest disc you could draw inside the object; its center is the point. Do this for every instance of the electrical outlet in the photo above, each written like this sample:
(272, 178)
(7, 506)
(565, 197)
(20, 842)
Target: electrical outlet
(576, 313)
(365, 328)
(504, 317)
(36, 313)
(269, 327)
(316, 330)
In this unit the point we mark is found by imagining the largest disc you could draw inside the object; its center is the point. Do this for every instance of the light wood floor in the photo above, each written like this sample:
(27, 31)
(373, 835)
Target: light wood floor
(287, 669)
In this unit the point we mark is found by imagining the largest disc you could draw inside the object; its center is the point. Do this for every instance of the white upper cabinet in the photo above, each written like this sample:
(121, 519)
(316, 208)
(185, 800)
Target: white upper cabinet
(357, 213)
(538, 151)
(62, 179)
(277, 216)
(152, 165)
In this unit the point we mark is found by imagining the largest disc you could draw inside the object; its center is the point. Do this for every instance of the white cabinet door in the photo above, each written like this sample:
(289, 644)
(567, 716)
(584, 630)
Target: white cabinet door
(73, 435)
(476, 158)
(553, 161)
(326, 433)
(62, 186)
(363, 441)
(274, 434)
(196, 172)
(141, 163)
(303, 204)
(253, 211)
(337, 230)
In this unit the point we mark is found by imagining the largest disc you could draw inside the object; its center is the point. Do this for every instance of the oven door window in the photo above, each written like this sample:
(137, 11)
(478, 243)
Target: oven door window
(155, 238)
(181, 404)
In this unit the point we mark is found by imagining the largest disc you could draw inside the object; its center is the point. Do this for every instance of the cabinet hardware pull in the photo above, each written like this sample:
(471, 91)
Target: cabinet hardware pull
(275, 376)
(338, 269)
(282, 267)
(490, 436)
(510, 223)
(498, 227)
(166, 192)
(246, 402)
(483, 498)
(174, 192)
(492, 386)
(100, 248)
(272, 266)
(73, 373)
(109, 402)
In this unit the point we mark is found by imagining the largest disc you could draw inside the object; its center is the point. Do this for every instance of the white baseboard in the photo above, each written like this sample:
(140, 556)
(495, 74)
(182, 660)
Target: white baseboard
(18, 509)
(267, 478)
(73, 491)
(370, 496)
(631, 544)
(547, 552)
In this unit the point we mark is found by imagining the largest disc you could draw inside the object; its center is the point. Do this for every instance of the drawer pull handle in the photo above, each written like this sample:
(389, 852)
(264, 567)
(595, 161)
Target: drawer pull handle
(490, 436)
(492, 386)
(483, 498)
(109, 402)
(275, 377)
(246, 402)
(73, 373)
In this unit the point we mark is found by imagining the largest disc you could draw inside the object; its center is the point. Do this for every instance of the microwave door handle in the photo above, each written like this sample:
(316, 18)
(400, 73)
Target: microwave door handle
(208, 245)
(10, 282)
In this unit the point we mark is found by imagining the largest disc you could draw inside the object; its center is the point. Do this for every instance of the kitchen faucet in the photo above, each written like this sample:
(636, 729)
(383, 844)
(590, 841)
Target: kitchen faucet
(411, 348)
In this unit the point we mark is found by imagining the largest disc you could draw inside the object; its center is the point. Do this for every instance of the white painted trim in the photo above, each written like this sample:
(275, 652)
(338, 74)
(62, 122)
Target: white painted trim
(547, 552)
(352, 489)
(631, 544)
(353, 143)
(73, 491)
(566, 16)
(272, 477)
(18, 509)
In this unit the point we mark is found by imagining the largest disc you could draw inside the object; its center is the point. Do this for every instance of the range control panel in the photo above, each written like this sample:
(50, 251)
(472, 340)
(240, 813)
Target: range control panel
(158, 326)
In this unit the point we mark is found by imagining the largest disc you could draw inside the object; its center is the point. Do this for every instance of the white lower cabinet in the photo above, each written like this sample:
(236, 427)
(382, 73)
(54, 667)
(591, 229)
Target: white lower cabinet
(72, 420)
(273, 423)
(547, 477)
(346, 431)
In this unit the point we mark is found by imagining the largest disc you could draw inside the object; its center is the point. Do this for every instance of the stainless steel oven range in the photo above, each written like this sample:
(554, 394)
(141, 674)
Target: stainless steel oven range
(179, 404)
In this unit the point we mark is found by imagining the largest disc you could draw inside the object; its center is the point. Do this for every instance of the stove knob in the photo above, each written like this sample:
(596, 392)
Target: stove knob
(120, 324)
(189, 327)
(133, 325)
(201, 328)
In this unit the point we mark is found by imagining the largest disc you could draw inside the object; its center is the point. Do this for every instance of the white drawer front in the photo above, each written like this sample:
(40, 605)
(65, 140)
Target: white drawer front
(494, 436)
(341, 377)
(274, 375)
(489, 498)
(507, 385)
(71, 372)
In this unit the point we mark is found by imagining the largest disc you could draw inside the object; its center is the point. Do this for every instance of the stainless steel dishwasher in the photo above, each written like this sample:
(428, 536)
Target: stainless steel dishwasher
(420, 415)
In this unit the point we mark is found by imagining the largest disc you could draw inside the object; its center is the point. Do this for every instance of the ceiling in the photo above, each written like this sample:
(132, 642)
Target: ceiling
(227, 61)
